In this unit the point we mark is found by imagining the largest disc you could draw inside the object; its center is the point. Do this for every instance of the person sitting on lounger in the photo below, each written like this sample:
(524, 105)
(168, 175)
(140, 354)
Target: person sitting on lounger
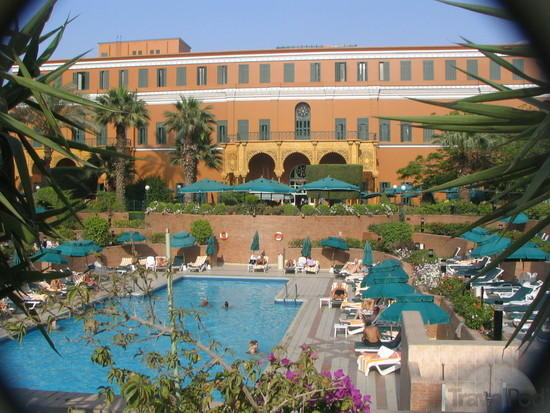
(351, 267)
(371, 336)
(261, 259)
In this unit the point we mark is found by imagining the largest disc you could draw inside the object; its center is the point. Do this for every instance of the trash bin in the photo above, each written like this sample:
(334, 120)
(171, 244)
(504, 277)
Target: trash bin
(280, 261)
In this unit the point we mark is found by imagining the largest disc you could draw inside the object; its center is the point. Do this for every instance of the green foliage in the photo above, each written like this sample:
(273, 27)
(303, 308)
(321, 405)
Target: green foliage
(420, 257)
(354, 243)
(308, 210)
(324, 209)
(450, 230)
(219, 209)
(395, 235)
(290, 210)
(136, 215)
(105, 202)
(539, 211)
(157, 238)
(201, 230)
(97, 229)
(80, 181)
(49, 198)
(230, 198)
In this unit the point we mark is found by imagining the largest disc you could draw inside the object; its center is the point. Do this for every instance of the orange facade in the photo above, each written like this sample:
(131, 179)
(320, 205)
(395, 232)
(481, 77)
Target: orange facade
(282, 108)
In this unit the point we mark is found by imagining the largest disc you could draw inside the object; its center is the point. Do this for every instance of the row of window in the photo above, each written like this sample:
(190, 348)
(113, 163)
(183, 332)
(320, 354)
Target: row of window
(82, 79)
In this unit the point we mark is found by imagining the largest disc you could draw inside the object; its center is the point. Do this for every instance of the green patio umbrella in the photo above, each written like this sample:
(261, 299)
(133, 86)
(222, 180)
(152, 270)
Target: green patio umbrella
(367, 254)
(306, 248)
(182, 240)
(476, 234)
(491, 246)
(367, 195)
(329, 184)
(335, 243)
(528, 253)
(78, 248)
(520, 218)
(255, 246)
(132, 237)
(264, 185)
(205, 185)
(388, 290)
(387, 271)
(211, 246)
(431, 313)
(50, 255)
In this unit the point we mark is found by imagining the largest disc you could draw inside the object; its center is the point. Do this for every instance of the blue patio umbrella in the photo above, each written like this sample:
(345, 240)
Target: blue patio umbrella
(329, 184)
(491, 246)
(520, 218)
(306, 248)
(211, 246)
(255, 245)
(367, 195)
(388, 290)
(205, 185)
(367, 254)
(476, 234)
(528, 253)
(78, 248)
(264, 185)
(131, 236)
(50, 255)
(182, 240)
(335, 243)
(431, 313)
(387, 271)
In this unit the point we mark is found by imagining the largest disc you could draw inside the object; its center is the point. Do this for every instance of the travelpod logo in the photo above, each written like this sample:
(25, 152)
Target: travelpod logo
(493, 388)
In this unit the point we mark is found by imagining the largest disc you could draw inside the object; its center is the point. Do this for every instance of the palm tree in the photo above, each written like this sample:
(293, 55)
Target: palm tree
(193, 126)
(124, 110)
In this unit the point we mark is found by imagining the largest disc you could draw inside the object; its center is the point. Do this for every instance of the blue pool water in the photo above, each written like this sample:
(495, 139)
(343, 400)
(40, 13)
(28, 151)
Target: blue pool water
(253, 314)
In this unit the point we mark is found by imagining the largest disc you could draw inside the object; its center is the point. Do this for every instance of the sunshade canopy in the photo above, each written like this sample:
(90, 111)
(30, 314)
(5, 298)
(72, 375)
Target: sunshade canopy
(131, 236)
(490, 246)
(430, 312)
(50, 255)
(528, 253)
(476, 234)
(306, 248)
(211, 246)
(367, 254)
(182, 240)
(255, 245)
(520, 218)
(388, 290)
(78, 248)
(335, 242)
(205, 185)
(264, 185)
(329, 184)
(367, 195)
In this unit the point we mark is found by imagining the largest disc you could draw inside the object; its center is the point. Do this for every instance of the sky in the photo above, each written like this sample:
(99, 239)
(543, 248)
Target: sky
(228, 25)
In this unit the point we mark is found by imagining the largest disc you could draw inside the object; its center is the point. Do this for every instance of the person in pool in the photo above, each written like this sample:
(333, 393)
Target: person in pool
(226, 305)
(252, 347)
(204, 302)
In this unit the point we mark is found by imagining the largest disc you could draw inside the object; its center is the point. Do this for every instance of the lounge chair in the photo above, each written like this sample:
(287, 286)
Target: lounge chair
(178, 263)
(385, 360)
(312, 268)
(126, 265)
(468, 270)
(261, 266)
(300, 265)
(338, 292)
(150, 263)
(492, 275)
(392, 343)
(524, 295)
(199, 264)
(161, 264)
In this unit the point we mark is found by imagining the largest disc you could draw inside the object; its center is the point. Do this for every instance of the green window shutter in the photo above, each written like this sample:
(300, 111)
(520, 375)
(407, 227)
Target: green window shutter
(384, 71)
(315, 72)
(428, 69)
(471, 68)
(222, 75)
(181, 76)
(242, 130)
(161, 77)
(264, 129)
(101, 137)
(288, 72)
(406, 132)
(405, 66)
(450, 69)
(143, 78)
(243, 74)
(104, 79)
(78, 135)
(340, 71)
(362, 72)
(520, 65)
(265, 73)
(494, 70)
(428, 135)
(340, 128)
(142, 135)
(123, 78)
(363, 129)
(75, 80)
(161, 133)
(221, 130)
(384, 130)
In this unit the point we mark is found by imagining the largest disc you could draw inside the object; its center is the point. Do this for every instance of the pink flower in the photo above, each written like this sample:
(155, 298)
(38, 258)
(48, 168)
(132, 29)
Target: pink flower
(271, 357)
(290, 375)
(314, 355)
(285, 362)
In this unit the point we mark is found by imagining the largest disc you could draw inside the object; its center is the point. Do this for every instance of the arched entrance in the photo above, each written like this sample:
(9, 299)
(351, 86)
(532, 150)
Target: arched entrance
(261, 165)
(295, 169)
(332, 158)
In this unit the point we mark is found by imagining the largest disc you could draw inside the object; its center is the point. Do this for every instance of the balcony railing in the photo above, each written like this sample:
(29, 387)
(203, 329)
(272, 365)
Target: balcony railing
(293, 136)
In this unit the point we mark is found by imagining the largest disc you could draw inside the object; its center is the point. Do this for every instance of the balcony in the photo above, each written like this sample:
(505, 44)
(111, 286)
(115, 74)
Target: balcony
(292, 136)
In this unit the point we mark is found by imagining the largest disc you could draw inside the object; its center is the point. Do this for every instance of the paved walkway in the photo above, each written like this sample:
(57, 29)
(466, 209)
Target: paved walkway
(313, 325)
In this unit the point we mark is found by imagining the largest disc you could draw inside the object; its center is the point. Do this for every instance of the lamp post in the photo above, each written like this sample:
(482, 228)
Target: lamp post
(147, 189)
(402, 204)
(421, 224)
(37, 187)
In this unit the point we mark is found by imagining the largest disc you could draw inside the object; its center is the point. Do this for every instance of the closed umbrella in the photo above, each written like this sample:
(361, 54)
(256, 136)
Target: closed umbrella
(182, 240)
(367, 254)
(211, 246)
(335, 243)
(306, 248)
(255, 246)
(431, 313)
(388, 290)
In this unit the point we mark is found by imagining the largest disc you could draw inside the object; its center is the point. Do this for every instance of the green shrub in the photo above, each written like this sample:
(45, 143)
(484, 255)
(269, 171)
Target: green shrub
(360, 209)
(539, 211)
(205, 209)
(308, 210)
(296, 243)
(230, 198)
(201, 230)
(158, 238)
(354, 243)
(136, 215)
(104, 202)
(451, 230)
(219, 209)
(290, 210)
(420, 257)
(97, 229)
(395, 235)
(339, 209)
(324, 209)
(65, 233)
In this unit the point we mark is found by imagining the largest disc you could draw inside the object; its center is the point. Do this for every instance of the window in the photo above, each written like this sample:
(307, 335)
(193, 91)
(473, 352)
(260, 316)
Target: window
(101, 137)
(520, 65)
(340, 128)
(405, 66)
(363, 129)
(81, 80)
(142, 135)
(123, 78)
(265, 73)
(302, 115)
(450, 69)
(384, 71)
(78, 135)
(428, 69)
(315, 72)
(104, 79)
(494, 70)
(288, 72)
(222, 131)
(406, 133)
(201, 75)
(340, 71)
(428, 135)
(264, 129)
(161, 77)
(384, 130)
(143, 77)
(384, 186)
(471, 68)
(181, 76)
(362, 72)
(161, 134)
(243, 73)
(242, 130)
(222, 75)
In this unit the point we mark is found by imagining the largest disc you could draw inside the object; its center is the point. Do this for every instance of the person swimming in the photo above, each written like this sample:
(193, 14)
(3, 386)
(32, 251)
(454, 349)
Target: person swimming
(226, 305)
(204, 302)
(252, 347)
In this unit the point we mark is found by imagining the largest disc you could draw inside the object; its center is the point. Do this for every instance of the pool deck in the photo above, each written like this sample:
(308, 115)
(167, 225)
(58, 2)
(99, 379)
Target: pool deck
(313, 325)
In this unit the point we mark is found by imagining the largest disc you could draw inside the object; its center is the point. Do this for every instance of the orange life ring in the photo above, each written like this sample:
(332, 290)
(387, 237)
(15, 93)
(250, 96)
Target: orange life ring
(278, 236)
(224, 235)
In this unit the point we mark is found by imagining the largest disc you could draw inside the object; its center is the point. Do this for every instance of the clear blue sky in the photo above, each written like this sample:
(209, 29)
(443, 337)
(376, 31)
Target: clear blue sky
(218, 25)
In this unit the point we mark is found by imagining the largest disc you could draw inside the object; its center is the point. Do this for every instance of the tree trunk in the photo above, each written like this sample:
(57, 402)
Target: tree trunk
(189, 169)
(120, 178)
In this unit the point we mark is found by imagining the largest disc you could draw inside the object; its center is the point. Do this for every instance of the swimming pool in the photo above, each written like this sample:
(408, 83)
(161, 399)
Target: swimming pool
(253, 314)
